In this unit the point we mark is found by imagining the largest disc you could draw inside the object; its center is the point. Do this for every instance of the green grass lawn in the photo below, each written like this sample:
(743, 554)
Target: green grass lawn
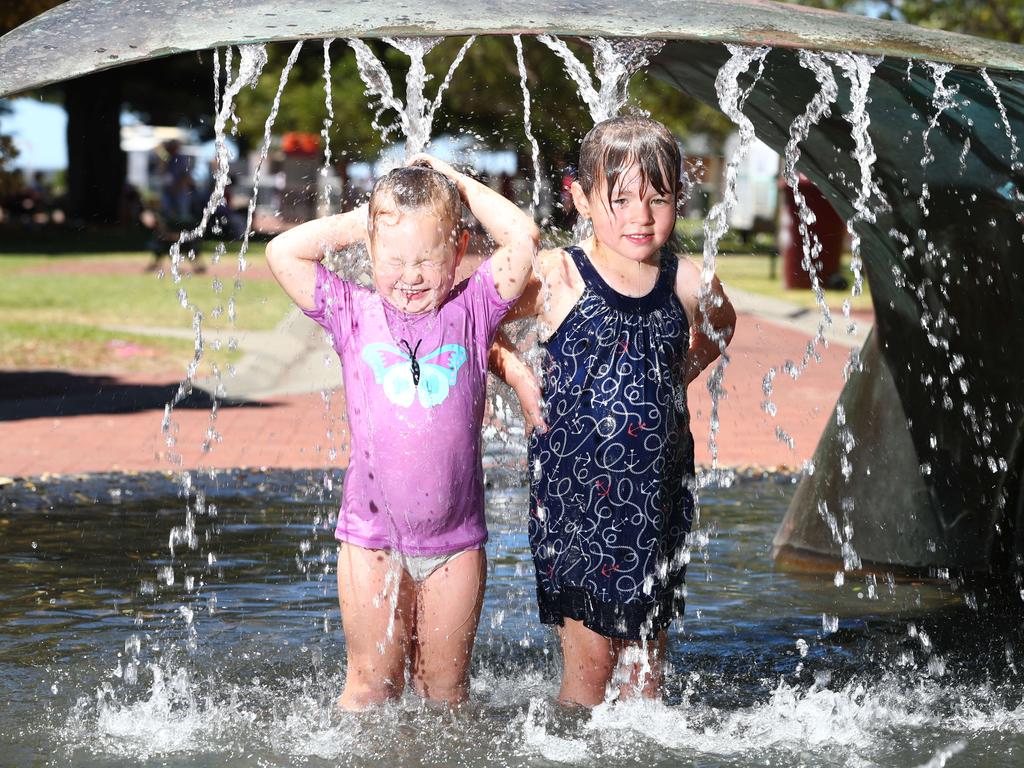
(747, 266)
(751, 273)
(116, 290)
(56, 311)
(62, 346)
(59, 311)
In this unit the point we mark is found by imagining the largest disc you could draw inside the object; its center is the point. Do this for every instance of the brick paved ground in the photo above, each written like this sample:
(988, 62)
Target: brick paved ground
(69, 424)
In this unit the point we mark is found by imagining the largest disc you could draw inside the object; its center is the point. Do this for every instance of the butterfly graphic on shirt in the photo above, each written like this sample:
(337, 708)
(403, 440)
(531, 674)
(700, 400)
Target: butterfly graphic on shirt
(437, 373)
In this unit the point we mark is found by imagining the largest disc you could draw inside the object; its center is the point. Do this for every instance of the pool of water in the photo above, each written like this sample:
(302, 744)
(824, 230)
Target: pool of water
(113, 652)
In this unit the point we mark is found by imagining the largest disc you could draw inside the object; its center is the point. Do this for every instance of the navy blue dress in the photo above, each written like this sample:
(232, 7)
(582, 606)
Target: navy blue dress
(611, 496)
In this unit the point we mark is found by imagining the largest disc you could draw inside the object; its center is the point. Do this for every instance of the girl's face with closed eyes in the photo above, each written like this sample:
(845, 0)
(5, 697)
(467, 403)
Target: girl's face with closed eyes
(635, 221)
(414, 261)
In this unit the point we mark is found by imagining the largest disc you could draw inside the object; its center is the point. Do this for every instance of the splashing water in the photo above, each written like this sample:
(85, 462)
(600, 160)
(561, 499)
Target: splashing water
(268, 127)
(749, 681)
(731, 100)
(615, 62)
(859, 69)
(416, 115)
(820, 106)
(252, 60)
(325, 132)
(378, 85)
(534, 146)
(942, 757)
(1015, 162)
(943, 98)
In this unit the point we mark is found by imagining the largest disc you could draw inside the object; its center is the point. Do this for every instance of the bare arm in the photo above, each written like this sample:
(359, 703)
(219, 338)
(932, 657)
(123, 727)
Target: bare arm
(293, 255)
(505, 363)
(514, 232)
(546, 296)
(712, 325)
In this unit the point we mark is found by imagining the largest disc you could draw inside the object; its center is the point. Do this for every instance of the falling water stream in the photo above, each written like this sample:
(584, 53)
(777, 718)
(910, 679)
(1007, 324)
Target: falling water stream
(731, 99)
(534, 146)
(325, 132)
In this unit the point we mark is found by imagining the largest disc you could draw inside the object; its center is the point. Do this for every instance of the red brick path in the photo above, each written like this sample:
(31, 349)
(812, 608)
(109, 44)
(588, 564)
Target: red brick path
(291, 431)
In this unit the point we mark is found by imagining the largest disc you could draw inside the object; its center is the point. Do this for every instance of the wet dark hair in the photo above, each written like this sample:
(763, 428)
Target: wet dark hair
(613, 146)
(415, 188)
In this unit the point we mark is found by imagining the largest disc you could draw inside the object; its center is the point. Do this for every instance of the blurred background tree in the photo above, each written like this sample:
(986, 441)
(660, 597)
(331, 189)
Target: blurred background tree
(484, 99)
(12, 14)
(169, 91)
(994, 19)
(9, 179)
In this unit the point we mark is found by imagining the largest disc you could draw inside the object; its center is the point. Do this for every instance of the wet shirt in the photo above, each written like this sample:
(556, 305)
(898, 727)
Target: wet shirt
(611, 502)
(415, 387)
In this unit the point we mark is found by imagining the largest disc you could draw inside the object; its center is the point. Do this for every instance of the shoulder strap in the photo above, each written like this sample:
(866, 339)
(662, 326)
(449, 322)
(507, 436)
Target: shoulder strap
(590, 277)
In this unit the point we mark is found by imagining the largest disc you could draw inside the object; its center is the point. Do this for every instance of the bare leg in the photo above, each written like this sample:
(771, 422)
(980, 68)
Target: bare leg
(639, 667)
(588, 660)
(375, 594)
(447, 612)
(594, 666)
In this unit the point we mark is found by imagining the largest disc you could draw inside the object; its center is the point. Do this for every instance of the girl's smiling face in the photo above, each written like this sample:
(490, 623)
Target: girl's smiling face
(414, 262)
(635, 222)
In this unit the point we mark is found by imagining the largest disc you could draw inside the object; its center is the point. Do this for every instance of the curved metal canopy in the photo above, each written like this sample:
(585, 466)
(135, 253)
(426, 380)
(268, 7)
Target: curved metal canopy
(83, 36)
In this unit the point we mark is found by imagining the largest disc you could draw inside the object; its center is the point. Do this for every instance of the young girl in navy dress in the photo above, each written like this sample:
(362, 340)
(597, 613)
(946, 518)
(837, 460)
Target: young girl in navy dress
(612, 467)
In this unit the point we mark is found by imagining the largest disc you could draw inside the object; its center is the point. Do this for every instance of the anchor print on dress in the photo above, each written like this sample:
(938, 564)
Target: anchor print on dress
(438, 373)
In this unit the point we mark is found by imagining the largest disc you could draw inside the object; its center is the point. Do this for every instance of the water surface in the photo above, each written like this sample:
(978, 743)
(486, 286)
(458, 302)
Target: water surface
(113, 652)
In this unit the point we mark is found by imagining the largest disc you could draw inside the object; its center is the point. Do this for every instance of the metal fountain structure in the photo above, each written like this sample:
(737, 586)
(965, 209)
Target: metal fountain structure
(922, 465)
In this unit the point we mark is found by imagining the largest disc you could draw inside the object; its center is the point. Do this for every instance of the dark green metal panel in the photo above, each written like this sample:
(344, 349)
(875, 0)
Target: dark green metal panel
(957, 282)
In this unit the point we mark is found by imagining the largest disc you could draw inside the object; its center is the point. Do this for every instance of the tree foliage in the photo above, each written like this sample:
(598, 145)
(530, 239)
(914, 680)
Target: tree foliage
(994, 19)
(14, 13)
(484, 99)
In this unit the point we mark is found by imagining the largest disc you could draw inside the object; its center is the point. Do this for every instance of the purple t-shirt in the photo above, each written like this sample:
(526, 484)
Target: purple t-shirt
(414, 481)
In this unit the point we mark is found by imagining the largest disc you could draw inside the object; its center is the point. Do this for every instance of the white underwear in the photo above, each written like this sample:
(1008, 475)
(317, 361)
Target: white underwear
(420, 567)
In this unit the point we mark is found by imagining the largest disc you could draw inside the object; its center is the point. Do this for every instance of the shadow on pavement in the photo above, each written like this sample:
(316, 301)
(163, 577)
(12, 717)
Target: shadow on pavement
(41, 394)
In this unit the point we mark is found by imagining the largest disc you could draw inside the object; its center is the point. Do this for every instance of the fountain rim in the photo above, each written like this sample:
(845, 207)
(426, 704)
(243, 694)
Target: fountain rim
(84, 32)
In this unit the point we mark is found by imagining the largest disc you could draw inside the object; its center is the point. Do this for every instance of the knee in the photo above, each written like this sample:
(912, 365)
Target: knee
(370, 682)
(448, 685)
(595, 672)
(366, 690)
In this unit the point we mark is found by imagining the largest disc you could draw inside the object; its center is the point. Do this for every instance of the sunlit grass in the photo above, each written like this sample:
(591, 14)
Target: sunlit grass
(751, 273)
(62, 346)
(757, 267)
(101, 311)
(117, 290)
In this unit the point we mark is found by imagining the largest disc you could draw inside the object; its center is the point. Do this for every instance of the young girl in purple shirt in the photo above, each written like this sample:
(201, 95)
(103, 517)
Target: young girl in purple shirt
(414, 353)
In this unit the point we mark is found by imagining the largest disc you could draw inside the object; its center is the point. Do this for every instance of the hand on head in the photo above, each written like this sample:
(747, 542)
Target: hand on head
(424, 160)
(419, 160)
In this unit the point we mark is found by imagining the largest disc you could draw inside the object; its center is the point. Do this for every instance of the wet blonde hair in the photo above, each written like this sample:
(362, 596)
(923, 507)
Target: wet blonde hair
(613, 146)
(417, 188)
